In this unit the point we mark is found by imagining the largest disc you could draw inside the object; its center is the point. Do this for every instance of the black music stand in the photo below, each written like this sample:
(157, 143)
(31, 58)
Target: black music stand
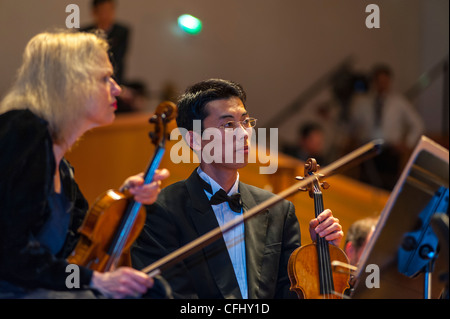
(403, 245)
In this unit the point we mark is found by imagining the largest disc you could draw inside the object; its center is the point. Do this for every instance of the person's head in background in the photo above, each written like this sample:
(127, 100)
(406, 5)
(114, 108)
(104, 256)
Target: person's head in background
(381, 79)
(311, 139)
(104, 13)
(358, 236)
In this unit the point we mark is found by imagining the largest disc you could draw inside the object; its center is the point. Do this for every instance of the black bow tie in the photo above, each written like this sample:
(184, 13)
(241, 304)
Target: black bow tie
(234, 200)
(221, 196)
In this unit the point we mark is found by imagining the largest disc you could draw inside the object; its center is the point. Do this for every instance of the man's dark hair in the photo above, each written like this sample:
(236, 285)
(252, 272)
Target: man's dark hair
(191, 105)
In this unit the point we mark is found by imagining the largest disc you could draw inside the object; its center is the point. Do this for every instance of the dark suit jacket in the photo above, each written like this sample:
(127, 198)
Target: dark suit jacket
(182, 213)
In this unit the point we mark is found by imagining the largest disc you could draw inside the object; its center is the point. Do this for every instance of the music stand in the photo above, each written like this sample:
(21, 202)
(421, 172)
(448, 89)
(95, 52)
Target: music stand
(425, 175)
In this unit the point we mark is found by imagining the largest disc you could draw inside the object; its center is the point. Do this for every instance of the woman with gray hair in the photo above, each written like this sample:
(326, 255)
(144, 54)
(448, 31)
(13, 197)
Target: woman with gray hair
(63, 89)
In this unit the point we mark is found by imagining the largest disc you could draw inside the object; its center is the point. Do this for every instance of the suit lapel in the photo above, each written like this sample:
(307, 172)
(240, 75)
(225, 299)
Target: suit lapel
(255, 234)
(216, 254)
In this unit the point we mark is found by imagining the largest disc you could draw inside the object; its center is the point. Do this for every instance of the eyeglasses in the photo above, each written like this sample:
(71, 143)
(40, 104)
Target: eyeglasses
(247, 123)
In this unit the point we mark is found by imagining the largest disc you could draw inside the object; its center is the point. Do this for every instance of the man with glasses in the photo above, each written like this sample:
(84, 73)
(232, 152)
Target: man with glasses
(250, 261)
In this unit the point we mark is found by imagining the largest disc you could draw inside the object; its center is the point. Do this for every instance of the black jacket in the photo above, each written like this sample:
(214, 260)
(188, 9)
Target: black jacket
(182, 213)
(117, 38)
(27, 169)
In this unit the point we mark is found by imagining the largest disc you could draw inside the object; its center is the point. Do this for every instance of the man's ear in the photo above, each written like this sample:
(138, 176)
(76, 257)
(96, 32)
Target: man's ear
(194, 140)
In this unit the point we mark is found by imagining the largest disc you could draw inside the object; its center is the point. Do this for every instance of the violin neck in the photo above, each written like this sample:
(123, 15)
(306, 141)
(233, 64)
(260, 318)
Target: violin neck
(154, 164)
(323, 253)
(318, 203)
(126, 225)
(318, 208)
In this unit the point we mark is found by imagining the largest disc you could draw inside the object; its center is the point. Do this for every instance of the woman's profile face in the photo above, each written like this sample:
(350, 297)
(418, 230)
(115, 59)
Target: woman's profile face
(102, 105)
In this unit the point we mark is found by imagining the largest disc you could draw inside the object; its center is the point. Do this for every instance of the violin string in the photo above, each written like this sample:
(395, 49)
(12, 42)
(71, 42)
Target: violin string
(323, 258)
(324, 262)
(329, 280)
(324, 254)
(118, 247)
(322, 271)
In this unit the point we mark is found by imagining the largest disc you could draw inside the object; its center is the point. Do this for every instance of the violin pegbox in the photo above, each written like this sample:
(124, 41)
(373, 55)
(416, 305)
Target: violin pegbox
(165, 112)
(311, 169)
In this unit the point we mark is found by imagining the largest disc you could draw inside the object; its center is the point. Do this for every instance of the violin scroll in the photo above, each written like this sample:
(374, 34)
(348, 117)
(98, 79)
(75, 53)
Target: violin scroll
(311, 168)
(165, 112)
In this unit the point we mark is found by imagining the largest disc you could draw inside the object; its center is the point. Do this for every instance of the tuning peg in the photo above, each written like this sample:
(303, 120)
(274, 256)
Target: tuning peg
(153, 119)
(325, 185)
(300, 178)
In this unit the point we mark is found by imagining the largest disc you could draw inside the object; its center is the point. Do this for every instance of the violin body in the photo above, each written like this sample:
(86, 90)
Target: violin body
(101, 222)
(305, 275)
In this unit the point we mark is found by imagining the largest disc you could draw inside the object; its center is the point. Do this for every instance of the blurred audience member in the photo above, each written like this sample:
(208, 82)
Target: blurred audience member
(358, 236)
(310, 143)
(386, 114)
(104, 14)
(134, 93)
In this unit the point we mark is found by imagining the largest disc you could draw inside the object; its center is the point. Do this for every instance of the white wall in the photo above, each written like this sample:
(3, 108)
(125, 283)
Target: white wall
(276, 49)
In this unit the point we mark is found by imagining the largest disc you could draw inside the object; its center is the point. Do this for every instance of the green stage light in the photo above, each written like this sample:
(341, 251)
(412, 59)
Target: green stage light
(189, 24)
